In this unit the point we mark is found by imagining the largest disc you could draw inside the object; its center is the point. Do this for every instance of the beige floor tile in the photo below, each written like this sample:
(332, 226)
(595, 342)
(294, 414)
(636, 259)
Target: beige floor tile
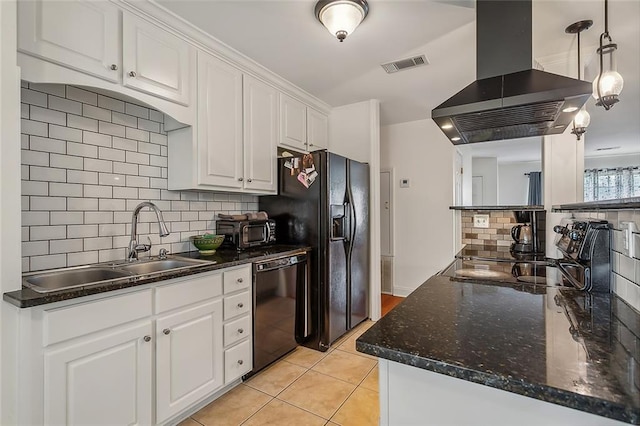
(188, 422)
(317, 393)
(371, 381)
(349, 345)
(305, 357)
(345, 366)
(282, 414)
(233, 408)
(276, 378)
(361, 409)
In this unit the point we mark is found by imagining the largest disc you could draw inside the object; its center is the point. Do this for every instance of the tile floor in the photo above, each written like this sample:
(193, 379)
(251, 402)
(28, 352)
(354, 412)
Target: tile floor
(306, 387)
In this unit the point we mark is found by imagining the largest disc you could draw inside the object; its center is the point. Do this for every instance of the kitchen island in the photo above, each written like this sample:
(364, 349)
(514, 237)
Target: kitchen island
(471, 353)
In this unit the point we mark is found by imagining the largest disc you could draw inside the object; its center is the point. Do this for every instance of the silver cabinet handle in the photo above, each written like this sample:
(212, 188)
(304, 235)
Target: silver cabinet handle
(240, 305)
(132, 73)
(240, 362)
(166, 331)
(239, 280)
(240, 330)
(240, 179)
(310, 144)
(114, 67)
(249, 180)
(147, 338)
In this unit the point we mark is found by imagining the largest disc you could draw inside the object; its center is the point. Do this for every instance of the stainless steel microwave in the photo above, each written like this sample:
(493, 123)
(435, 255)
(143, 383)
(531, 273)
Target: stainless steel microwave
(245, 234)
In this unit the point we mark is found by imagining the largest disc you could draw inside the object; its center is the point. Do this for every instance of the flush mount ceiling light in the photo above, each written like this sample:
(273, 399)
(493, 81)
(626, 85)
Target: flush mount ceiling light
(608, 84)
(341, 17)
(582, 119)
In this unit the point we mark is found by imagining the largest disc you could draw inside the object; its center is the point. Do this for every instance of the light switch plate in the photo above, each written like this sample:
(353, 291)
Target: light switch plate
(405, 183)
(480, 220)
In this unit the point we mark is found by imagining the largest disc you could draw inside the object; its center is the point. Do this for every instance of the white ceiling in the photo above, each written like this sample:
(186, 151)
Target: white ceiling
(285, 36)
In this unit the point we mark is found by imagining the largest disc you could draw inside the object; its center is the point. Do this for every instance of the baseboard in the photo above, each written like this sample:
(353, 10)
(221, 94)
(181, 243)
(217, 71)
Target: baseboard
(402, 291)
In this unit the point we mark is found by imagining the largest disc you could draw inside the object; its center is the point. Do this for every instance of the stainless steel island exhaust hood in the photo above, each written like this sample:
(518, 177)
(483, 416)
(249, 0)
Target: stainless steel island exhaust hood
(510, 99)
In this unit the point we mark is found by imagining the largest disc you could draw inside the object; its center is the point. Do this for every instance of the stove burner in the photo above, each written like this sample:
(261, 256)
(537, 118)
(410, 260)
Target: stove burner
(481, 273)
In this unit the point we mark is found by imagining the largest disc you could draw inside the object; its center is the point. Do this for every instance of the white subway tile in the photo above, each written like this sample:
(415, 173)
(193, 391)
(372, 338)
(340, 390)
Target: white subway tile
(228, 206)
(38, 143)
(111, 129)
(50, 88)
(35, 188)
(136, 110)
(126, 144)
(83, 123)
(207, 216)
(111, 230)
(24, 230)
(164, 151)
(97, 243)
(65, 133)
(82, 231)
(65, 246)
(159, 139)
(79, 176)
(35, 248)
(24, 141)
(179, 226)
(236, 198)
(48, 174)
(156, 116)
(150, 126)
(138, 181)
(149, 171)
(139, 135)
(65, 189)
(32, 218)
(205, 196)
(39, 263)
(96, 139)
(182, 247)
(24, 203)
(98, 217)
(32, 97)
(135, 157)
(214, 205)
(171, 238)
(125, 168)
(96, 165)
(160, 183)
(37, 113)
(189, 216)
(34, 158)
(156, 160)
(179, 205)
(124, 119)
(149, 148)
(83, 258)
(24, 111)
(143, 228)
(220, 197)
(65, 105)
(132, 204)
(197, 205)
(98, 191)
(169, 195)
(121, 241)
(111, 154)
(165, 206)
(82, 204)
(184, 236)
(111, 179)
(36, 128)
(66, 162)
(67, 218)
(111, 204)
(80, 95)
(124, 192)
(198, 226)
(111, 255)
(38, 233)
(82, 150)
(150, 194)
(189, 196)
(48, 203)
(164, 173)
(110, 103)
(95, 112)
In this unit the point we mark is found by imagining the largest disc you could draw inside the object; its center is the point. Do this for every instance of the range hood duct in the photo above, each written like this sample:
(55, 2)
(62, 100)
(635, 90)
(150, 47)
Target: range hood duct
(510, 99)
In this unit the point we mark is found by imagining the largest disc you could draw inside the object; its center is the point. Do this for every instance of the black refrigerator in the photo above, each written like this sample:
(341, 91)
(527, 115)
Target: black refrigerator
(323, 202)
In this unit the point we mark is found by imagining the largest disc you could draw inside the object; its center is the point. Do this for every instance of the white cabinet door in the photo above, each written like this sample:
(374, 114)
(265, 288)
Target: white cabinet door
(219, 123)
(189, 357)
(79, 34)
(260, 135)
(103, 380)
(155, 61)
(317, 130)
(293, 123)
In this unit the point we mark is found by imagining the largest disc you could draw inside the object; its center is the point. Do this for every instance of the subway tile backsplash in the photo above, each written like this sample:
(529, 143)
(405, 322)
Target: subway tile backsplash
(87, 161)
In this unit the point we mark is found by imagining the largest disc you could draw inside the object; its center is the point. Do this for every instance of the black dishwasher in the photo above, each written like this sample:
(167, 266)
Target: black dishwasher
(281, 311)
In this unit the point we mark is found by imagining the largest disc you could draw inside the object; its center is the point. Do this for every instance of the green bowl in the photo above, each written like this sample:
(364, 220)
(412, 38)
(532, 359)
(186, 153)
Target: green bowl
(207, 243)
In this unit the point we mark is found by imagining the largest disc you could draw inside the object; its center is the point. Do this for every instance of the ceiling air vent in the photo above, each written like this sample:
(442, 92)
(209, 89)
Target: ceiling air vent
(404, 64)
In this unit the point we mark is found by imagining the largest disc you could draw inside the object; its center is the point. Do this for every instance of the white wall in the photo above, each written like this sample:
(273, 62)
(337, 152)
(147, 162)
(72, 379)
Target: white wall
(612, 161)
(487, 167)
(513, 185)
(419, 151)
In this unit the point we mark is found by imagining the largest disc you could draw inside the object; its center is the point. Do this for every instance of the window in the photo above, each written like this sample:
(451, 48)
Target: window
(607, 184)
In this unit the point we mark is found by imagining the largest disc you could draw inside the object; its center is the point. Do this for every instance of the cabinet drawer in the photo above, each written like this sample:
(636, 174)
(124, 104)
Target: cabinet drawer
(237, 305)
(237, 279)
(84, 318)
(188, 291)
(237, 361)
(237, 330)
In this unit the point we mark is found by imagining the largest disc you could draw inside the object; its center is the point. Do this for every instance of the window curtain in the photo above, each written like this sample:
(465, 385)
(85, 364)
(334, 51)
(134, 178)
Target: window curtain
(608, 184)
(535, 189)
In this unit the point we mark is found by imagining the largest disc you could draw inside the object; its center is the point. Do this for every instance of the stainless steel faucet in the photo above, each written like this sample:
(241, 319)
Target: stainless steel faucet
(134, 247)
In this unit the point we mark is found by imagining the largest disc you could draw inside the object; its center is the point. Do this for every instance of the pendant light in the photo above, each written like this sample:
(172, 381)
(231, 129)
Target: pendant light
(341, 17)
(608, 84)
(582, 119)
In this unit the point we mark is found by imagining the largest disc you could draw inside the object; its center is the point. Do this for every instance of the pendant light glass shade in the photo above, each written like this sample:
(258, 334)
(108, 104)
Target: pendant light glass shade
(341, 17)
(581, 122)
(582, 119)
(608, 84)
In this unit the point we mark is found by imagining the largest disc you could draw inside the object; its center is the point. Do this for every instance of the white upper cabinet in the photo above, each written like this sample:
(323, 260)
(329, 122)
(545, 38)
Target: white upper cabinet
(83, 35)
(260, 135)
(155, 61)
(293, 123)
(317, 130)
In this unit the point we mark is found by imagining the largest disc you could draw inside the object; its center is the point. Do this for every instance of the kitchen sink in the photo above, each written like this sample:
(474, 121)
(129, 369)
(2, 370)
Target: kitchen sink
(91, 275)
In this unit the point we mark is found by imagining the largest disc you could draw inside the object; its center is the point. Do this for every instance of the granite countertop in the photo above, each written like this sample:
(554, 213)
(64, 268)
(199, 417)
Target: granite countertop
(500, 253)
(498, 208)
(620, 204)
(563, 346)
(223, 258)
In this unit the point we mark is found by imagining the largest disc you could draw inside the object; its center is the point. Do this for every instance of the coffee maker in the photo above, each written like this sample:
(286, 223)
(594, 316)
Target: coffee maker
(529, 235)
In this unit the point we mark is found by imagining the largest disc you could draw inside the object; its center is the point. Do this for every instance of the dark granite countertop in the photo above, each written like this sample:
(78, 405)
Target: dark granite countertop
(223, 258)
(563, 346)
(497, 208)
(620, 204)
(500, 253)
